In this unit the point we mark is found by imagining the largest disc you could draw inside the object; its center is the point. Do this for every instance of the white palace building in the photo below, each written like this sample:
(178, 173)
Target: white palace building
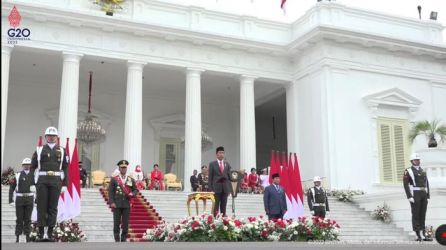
(339, 86)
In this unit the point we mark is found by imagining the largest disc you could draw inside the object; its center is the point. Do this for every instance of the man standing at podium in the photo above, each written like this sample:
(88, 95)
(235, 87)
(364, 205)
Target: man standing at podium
(219, 181)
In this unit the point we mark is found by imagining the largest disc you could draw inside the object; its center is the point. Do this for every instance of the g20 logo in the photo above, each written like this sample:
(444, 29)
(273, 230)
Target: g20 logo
(19, 33)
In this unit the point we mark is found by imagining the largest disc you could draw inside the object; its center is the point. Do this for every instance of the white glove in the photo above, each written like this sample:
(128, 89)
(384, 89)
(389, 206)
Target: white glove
(32, 189)
(64, 189)
(12, 204)
(411, 200)
(312, 212)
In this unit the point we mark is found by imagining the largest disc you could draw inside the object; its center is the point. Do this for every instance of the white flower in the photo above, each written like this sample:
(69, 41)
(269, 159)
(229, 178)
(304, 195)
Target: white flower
(225, 228)
(295, 232)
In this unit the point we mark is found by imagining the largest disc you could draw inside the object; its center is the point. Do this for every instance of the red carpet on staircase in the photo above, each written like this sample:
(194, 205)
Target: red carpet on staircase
(142, 216)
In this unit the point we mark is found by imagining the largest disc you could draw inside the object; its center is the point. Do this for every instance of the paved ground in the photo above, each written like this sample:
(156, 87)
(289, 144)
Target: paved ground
(217, 246)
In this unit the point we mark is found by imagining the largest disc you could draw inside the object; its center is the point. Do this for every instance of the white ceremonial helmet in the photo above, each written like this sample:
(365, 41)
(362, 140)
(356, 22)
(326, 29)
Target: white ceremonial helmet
(316, 178)
(26, 161)
(51, 131)
(414, 156)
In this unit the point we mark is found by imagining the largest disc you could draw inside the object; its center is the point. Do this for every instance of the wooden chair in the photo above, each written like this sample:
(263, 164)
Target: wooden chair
(170, 181)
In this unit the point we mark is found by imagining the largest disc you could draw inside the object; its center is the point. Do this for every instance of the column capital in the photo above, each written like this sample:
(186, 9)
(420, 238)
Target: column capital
(70, 56)
(194, 71)
(135, 64)
(247, 78)
(7, 48)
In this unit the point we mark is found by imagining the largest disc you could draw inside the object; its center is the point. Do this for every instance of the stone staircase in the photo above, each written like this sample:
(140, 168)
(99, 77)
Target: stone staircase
(96, 220)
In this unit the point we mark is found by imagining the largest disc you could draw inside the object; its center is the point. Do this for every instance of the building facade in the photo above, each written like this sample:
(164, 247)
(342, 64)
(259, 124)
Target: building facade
(339, 86)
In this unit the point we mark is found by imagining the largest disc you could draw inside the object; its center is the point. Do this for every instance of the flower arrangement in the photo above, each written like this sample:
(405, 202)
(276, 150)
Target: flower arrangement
(382, 213)
(345, 195)
(66, 231)
(206, 228)
(429, 232)
(7, 176)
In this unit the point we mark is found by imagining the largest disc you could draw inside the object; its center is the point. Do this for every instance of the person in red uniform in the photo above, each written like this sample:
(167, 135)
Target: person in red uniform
(156, 178)
(244, 182)
(253, 181)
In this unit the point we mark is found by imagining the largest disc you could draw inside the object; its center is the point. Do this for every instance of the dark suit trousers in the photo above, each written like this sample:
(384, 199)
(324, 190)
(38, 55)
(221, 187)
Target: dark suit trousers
(23, 213)
(121, 215)
(221, 200)
(319, 211)
(47, 200)
(419, 208)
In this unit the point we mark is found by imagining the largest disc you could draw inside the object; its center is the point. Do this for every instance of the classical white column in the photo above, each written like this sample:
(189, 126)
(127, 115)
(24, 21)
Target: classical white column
(247, 124)
(69, 98)
(292, 117)
(6, 58)
(133, 115)
(192, 147)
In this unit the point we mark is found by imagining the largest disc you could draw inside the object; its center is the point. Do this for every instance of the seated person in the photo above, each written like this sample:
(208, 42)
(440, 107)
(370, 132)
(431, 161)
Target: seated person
(156, 178)
(264, 179)
(244, 182)
(139, 178)
(203, 179)
(253, 181)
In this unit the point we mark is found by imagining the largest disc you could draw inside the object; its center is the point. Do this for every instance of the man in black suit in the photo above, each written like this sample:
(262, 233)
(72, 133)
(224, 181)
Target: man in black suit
(274, 199)
(83, 174)
(219, 176)
(120, 192)
(194, 181)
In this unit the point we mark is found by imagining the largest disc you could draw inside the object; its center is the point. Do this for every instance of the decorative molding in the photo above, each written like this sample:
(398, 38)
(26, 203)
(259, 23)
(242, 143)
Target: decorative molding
(171, 126)
(393, 97)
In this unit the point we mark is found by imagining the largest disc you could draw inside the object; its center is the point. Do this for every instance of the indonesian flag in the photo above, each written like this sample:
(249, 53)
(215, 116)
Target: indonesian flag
(274, 168)
(283, 6)
(74, 186)
(295, 204)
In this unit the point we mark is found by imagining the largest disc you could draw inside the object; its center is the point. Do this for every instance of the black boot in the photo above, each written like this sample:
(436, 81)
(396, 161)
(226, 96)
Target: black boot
(17, 238)
(28, 239)
(50, 234)
(418, 236)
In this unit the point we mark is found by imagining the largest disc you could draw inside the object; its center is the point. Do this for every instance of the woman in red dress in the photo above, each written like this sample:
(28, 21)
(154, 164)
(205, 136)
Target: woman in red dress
(156, 178)
(253, 181)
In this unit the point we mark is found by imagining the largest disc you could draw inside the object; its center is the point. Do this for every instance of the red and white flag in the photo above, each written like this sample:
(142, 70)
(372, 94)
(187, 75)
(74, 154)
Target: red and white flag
(74, 185)
(295, 205)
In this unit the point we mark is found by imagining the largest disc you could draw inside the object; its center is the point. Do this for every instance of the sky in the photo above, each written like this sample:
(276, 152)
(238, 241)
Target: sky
(270, 9)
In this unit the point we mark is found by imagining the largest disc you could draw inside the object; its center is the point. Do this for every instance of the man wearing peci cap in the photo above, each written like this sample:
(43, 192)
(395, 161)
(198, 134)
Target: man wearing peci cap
(24, 187)
(317, 199)
(219, 181)
(274, 199)
(50, 164)
(416, 186)
(121, 190)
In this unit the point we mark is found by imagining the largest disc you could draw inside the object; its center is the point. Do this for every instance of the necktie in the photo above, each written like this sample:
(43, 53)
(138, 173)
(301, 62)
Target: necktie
(277, 188)
(221, 167)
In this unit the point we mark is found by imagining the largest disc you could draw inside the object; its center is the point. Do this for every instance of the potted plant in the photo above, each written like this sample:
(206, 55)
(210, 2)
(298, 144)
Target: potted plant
(109, 5)
(429, 129)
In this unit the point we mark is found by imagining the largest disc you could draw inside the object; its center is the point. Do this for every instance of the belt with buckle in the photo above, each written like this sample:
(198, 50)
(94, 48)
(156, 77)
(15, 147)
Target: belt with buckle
(419, 189)
(24, 194)
(50, 173)
(318, 204)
